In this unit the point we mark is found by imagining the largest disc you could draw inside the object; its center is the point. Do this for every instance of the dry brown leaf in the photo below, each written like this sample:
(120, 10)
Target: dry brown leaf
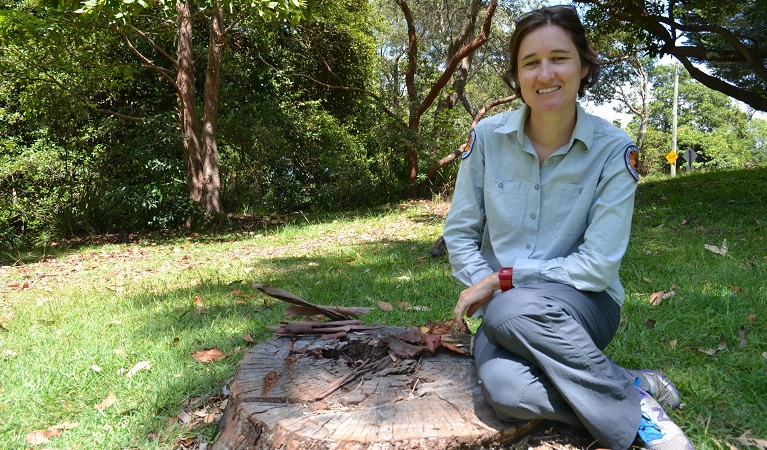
(248, 338)
(752, 319)
(739, 290)
(718, 250)
(405, 305)
(107, 402)
(745, 439)
(742, 333)
(143, 365)
(269, 381)
(208, 355)
(650, 324)
(385, 306)
(184, 417)
(420, 308)
(656, 298)
(40, 437)
(722, 343)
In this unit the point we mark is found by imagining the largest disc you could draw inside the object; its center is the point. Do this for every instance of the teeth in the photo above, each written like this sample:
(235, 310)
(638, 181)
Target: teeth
(547, 90)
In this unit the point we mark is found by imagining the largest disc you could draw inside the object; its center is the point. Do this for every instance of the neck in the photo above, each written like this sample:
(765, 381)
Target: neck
(548, 133)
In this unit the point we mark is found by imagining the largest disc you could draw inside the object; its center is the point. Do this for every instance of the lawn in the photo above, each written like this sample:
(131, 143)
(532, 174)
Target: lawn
(101, 339)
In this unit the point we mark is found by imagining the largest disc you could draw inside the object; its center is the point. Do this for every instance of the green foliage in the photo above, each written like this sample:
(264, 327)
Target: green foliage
(708, 122)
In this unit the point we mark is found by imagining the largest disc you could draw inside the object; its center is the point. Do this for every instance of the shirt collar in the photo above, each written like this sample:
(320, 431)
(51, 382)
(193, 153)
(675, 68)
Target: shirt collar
(584, 126)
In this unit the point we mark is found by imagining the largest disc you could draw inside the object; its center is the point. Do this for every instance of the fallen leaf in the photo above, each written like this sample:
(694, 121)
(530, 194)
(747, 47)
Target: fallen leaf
(746, 440)
(40, 437)
(248, 338)
(656, 298)
(650, 324)
(718, 250)
(107, 402)
(143, 365)
(405, 305)
(742, 333)
(420, 308)
(722, 342)
(184, 417)
(65, 426)
(96, 368)
(752, 319)
(738, 290)
(385, 306)
(269, 381)
(208, 355)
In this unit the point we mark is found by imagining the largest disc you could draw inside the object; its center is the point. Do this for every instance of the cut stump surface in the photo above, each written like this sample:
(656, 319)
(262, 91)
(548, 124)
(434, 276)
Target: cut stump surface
(308, 393)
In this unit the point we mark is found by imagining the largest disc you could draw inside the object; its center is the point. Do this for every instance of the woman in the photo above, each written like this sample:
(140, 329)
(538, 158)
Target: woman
(539, 222)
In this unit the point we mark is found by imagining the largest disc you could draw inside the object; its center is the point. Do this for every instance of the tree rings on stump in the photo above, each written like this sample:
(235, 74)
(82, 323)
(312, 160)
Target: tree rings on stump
(310, 393)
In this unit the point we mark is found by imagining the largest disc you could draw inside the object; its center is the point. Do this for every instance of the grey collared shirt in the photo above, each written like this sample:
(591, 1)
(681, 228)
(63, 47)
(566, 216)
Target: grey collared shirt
(567, 221)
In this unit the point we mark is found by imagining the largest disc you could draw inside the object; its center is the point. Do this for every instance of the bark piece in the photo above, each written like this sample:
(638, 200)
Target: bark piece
(353, 395)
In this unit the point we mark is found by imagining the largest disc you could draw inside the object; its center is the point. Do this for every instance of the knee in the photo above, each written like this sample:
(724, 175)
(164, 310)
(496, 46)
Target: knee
(502, 386)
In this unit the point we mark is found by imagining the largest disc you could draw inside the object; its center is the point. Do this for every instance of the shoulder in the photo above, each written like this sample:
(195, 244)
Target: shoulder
(500, 120)
(603, 128)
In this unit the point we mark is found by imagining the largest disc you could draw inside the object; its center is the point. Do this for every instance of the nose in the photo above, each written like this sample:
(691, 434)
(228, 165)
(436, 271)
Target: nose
(546, 72)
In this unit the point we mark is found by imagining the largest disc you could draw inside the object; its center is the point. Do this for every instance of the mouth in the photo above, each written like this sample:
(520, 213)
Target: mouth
(547, 90)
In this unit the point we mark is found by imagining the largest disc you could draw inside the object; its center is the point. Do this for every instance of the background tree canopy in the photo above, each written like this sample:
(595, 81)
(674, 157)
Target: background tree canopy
(118, 116)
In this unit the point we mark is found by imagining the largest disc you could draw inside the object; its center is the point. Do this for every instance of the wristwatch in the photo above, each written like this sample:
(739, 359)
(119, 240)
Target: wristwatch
(505, 275)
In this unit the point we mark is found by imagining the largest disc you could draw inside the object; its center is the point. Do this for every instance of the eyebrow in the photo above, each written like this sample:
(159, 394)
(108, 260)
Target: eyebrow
(556, 50)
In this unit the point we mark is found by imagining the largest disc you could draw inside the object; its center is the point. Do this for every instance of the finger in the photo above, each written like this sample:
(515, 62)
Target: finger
(459, 319)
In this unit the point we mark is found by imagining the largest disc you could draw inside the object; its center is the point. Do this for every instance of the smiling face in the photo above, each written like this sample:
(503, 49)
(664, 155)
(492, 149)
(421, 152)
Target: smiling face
(549, 71)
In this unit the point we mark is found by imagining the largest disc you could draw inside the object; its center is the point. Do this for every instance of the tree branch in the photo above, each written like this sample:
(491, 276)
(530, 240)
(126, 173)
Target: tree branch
(160, 70)
(51, 79)
(467, 50)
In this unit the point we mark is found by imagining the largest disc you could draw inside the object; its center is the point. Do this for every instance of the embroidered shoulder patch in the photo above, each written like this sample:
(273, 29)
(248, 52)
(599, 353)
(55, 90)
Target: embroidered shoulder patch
(632, 159)
(469, 145)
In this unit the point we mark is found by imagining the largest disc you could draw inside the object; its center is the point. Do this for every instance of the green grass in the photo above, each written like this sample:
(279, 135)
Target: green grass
(159, 298)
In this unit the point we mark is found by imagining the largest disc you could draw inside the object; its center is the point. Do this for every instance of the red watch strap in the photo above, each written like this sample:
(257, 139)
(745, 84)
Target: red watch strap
(505, 275)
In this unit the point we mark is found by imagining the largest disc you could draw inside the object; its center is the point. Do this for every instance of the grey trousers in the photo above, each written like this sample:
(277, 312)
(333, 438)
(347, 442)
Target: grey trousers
(539, 355)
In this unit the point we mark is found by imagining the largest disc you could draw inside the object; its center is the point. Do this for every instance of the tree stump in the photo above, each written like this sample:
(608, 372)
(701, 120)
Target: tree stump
(310, 393)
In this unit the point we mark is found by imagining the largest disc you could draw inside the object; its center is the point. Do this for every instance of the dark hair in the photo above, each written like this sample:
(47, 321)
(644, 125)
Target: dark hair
(566, 18)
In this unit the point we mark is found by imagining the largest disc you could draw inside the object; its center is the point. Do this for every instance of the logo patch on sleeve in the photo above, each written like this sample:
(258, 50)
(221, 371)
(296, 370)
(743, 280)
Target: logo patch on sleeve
(469, 145)
(632, 160)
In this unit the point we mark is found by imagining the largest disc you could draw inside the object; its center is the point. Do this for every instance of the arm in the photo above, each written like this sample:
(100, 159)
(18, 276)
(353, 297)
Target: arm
(595, 264)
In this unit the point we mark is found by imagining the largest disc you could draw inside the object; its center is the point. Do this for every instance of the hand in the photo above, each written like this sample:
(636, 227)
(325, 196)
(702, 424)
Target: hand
(473, 297)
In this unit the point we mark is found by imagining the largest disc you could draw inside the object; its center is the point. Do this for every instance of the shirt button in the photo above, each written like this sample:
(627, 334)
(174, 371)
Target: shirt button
(500, 185)
(537, 187)
(532, 216)
(580, 191)
(527, 246)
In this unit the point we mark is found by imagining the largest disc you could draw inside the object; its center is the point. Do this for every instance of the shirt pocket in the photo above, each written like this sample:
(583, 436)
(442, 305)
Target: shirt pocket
(505, 203)
(568, 213)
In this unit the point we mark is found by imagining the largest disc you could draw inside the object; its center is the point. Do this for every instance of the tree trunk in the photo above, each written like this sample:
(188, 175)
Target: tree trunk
(644, 165)
(187, 101)
(311, 393)
(211, 193)
(200, 149)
